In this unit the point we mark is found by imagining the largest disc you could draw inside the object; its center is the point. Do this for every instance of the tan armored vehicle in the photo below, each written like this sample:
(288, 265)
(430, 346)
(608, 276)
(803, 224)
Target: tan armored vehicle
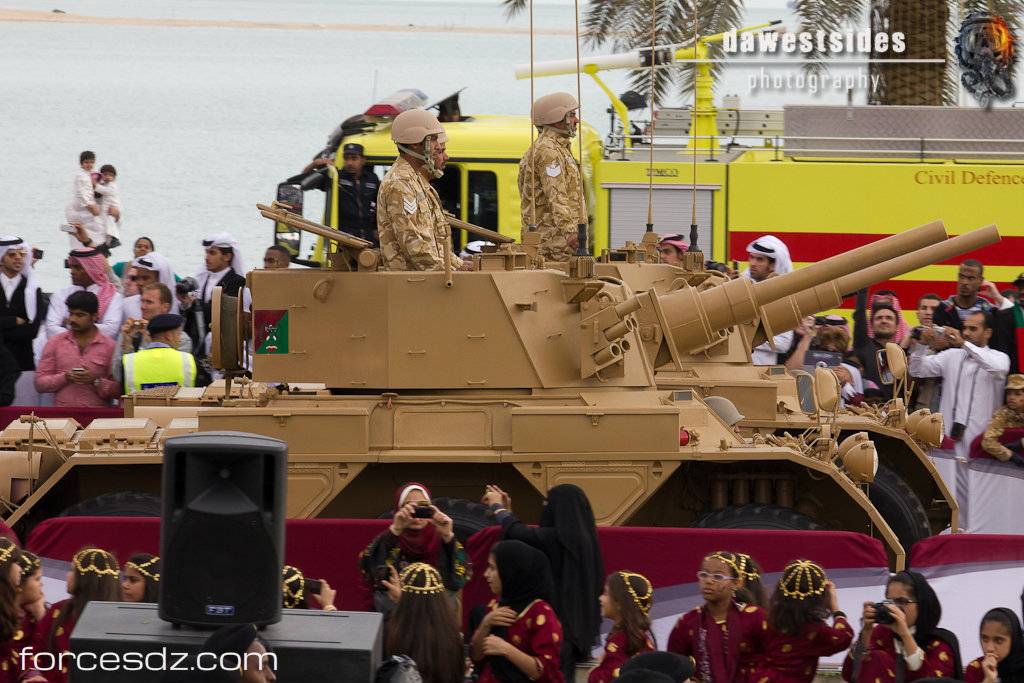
(524, 377)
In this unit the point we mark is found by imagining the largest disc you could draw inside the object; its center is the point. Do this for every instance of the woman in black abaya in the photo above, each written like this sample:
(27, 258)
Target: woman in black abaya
(568, 536)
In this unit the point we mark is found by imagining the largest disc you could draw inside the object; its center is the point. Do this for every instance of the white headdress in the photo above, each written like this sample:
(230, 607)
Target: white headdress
(156, 262)
(775, 249)
(223, 240)
(8, 242)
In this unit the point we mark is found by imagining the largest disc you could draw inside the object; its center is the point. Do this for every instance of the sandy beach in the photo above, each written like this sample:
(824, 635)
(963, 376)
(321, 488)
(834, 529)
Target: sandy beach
(37, 16)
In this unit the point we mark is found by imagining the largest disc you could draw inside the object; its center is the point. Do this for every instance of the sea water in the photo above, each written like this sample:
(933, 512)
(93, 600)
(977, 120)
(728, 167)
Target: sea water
(203, 123)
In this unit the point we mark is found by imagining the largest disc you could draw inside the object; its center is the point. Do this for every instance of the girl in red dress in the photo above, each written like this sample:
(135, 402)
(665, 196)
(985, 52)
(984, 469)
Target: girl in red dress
(798, 630)
(31, 601)
(14, 668)
(751, 590)
(626, 600)
(517, 636)
(724, 637)
(1003, 645)
(141, 580)
(93, 576)
(910, 643)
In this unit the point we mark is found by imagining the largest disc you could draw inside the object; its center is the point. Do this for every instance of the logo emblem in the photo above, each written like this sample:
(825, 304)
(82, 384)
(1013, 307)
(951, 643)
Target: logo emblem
(270, 329)
(410, 205)
(985, 51)
(554, 170)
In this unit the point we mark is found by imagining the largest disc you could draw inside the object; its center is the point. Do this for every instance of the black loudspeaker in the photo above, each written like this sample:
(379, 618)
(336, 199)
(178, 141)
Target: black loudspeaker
(222, 532)
(136, 647)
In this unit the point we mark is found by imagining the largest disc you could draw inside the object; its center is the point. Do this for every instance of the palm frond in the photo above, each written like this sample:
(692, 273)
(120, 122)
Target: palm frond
(513, 7)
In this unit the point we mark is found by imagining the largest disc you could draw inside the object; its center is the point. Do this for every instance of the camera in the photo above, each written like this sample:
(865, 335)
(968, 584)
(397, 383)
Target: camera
(882, 615)
(37, 253)
(379, 575)
(424, 510)
(915, 333)
(187, 286)
(957, 432)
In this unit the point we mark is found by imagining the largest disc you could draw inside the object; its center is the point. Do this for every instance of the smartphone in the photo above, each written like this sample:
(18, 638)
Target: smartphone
(313, 586)
(423, 510)
(69, 229)
(37, 253)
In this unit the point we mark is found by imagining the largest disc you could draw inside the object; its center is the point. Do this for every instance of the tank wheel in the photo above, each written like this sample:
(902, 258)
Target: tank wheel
(899, 506)
(756, 516)
(468, 517)
(120, 504)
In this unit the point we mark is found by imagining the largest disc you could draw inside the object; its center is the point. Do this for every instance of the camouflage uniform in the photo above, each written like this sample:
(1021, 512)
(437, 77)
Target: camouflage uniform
(555, 191)
(412, 227)
(1003, 419)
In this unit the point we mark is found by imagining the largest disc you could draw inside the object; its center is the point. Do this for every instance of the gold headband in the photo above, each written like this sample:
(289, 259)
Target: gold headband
(806, 570)
(726, 557)
(293, 598)
(30, 563)
(91, 568)
(642, 601)
(744, 567)
(144, 568)
(432, 583)
(7, 549)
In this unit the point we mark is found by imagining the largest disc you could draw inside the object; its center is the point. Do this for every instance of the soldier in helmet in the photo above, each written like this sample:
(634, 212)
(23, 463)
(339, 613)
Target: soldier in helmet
(414, 233)
(549, 178)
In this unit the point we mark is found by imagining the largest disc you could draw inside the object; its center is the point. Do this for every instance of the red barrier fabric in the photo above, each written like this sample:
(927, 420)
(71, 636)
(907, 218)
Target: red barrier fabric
(9, 414)
(966, 549)
(329, 548)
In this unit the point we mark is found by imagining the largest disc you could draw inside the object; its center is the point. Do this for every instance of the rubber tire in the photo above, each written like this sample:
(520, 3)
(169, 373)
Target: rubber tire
(120, 504)
(755, 516)
(468, 517)
(900, 507)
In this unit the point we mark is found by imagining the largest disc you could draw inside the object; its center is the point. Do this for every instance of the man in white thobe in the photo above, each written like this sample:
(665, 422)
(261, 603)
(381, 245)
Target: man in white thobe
(973, 376)
(768, 255)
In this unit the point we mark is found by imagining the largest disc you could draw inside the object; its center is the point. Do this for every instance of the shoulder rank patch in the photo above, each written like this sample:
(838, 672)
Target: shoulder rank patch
(409, 204)
(554, 170)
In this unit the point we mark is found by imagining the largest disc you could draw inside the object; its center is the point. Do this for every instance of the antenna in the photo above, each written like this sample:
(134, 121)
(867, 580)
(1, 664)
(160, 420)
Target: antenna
(693, 146)
(533, 132)
(650, 157)
(582, 248)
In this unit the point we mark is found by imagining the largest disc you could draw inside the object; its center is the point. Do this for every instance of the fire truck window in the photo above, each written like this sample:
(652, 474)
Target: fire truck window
(449, 189)
(483, 199)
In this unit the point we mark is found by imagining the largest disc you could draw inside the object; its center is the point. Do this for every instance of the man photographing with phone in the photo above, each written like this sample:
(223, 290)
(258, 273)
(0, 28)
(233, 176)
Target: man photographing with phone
(76, 363)
(419, 532)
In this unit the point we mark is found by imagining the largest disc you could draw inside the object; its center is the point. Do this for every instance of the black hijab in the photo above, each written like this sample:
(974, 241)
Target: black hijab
(677, 667)
(578, 569)
(929, 614)
(1011, 669)
(525, 575)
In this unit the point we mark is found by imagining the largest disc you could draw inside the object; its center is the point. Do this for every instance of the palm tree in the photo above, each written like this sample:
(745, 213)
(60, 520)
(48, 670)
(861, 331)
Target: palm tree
(930, 27)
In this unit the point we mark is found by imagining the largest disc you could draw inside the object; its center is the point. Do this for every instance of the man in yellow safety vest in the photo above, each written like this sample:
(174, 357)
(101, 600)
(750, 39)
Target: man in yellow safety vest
(159, 363)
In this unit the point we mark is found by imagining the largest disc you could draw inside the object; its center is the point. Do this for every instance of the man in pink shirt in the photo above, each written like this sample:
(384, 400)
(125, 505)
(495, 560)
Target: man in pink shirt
(76, 363)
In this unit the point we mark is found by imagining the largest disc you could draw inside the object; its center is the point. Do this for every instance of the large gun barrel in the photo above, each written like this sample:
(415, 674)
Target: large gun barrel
(692, 320)
(786, 313)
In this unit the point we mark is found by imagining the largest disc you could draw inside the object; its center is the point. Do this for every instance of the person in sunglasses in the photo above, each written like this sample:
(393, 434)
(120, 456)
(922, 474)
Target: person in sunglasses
(906, 643)
(724, 637)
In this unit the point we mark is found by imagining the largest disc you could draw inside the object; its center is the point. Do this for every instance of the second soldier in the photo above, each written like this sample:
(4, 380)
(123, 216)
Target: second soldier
(549, 178)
